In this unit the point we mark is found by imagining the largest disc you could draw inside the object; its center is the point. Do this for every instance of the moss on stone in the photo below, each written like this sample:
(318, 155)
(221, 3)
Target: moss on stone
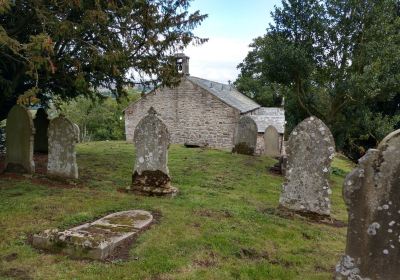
(115, 229)
(243, 148)
(126, 220)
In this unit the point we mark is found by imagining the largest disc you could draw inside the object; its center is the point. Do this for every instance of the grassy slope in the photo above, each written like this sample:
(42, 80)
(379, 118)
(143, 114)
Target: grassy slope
(217, 228)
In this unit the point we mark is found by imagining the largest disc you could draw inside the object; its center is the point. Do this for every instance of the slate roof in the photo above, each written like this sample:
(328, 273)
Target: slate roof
(265, 117)
(227, 93)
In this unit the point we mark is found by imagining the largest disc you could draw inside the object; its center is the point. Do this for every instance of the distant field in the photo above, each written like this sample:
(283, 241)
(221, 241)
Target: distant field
(222, 225)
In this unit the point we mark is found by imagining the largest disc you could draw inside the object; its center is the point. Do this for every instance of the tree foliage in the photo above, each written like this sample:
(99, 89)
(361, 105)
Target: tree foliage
(99, 118)
(337, 60)
(65, 49)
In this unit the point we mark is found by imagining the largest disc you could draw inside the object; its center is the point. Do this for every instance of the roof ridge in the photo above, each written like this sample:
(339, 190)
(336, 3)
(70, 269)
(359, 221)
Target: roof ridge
(211, 81)
(231, 96)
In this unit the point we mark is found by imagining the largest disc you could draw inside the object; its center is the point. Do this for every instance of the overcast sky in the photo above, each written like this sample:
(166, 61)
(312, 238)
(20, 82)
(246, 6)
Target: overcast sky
(231, 26)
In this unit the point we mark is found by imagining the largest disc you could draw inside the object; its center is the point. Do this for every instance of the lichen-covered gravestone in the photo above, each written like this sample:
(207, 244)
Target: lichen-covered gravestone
(19, 141)
(151, 174)
(245, 138)
(98, 240)
(271, 142)
(63, 137)
(310, 151)
(41, 122)
(372, 195)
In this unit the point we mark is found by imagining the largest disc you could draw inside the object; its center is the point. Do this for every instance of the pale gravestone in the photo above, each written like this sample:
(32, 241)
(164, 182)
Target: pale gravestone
(41, 122)
(63, 137)
(372, 195)
(271, 142)
(310, 151)
(245, 138)
(77, 131)
(97, 240)
(151, 174)
(19, 141)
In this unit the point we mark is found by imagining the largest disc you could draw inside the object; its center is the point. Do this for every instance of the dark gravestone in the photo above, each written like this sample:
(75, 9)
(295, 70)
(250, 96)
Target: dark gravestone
(151, 174)
(41, 122)
(2, 141)
(19, 141)
(372, 195)
(245, 138)
(63, 137)
(310, 151)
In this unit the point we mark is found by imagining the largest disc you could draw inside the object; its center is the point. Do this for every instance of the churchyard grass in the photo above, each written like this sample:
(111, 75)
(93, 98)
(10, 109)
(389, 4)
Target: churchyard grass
(222, 225)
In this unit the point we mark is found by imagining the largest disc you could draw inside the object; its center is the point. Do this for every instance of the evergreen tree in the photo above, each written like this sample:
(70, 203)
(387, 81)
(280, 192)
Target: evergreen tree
(65, 49)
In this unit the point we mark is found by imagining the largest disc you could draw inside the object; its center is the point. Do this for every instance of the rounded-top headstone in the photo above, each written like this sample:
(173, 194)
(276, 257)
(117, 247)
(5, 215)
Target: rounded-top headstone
(271, 142)
(19, 141)
(151, 139)
(62, 140)
(151, 174)
(245, 138)
(41, 122)
(310, 151)
(372, 195)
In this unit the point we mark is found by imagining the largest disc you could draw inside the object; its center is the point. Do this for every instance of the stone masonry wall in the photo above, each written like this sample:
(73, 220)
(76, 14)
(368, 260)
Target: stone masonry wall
(192, 115)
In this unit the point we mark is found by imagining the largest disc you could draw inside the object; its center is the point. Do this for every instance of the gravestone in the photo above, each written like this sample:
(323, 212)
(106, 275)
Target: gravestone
(19, 141)
(41, 122)
(271, 142)
(97, 240)
(2, 141)
(77, 131)
(310, 151)
(372, 195)
(151, 174)
(62, 156)
(245, 138)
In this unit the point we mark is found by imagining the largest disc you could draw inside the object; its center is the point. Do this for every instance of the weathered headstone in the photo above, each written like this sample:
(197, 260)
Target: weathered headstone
(19, 141)
(283, 158)
(245, 138)
(151, 174)
(372, 195)
(41, 122)
(2, 141)
(97, 240)
(77, 131)
(271, 142)
(310, 151)
(62, 156)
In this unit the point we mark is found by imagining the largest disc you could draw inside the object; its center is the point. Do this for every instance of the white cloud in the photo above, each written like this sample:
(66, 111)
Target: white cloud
(217, 59)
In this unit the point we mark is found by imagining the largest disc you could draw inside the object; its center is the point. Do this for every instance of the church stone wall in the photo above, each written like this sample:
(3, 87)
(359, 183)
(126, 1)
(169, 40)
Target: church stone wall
(192, 115)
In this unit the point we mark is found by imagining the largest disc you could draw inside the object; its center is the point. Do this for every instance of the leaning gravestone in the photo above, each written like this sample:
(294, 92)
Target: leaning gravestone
(62, 156)
(372, 195)
(151, 174)
(245, 138)
(310, 151)
(19, 141)
(41, 122)
(271, 142)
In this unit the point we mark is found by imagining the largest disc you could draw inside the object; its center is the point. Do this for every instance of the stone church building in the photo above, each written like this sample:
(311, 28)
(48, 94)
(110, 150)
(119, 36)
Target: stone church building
(200, 112)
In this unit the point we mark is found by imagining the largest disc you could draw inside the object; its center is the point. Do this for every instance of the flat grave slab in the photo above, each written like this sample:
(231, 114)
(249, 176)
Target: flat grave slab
(97, 240)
